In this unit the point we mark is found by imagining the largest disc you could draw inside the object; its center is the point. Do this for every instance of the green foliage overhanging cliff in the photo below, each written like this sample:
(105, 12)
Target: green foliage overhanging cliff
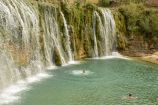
(137, 26)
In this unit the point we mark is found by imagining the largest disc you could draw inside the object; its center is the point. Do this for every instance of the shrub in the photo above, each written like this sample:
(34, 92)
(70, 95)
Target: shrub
(105, 2)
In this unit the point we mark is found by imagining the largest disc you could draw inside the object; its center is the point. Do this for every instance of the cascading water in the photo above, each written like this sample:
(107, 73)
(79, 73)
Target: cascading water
(31, 39)
(19, 41)
(106, 29)
(109, 30)
(27, 42)
(94, 33)
(68, 42)
(51, 38)
(20, 55)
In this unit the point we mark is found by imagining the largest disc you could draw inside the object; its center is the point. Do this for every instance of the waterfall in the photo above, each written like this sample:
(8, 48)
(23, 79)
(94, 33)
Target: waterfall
(19, 43)
(94, 34)
(32, 40)
(68, 42)
(29, 39)
(51, 38)
(106, 29)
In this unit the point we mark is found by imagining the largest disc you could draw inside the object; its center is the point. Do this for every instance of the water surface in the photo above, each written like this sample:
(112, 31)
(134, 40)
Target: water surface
(105, 82)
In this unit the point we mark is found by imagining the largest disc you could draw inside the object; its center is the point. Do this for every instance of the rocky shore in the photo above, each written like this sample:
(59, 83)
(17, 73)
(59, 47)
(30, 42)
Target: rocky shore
(147, 56)
(153, 58)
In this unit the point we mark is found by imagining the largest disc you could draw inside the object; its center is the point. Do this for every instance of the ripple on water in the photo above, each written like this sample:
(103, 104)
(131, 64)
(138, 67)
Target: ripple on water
(81, 72)
(105, 82)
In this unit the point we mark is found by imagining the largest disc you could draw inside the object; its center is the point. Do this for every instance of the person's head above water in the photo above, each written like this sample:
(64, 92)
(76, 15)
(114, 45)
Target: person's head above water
(129, 94)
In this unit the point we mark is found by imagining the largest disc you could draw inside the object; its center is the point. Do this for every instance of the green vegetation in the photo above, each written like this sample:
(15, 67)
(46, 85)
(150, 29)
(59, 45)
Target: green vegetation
(137, 20)
(134, 20)
(105, 2)
(79, 19)
(131, 1)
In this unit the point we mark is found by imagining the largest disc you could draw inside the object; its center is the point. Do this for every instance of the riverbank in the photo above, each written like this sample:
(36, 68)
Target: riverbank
(153, 58)
(145, 56)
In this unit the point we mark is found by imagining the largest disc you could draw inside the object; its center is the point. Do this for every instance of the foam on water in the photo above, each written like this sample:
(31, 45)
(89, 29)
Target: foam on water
(81, 72)
(71, 63)
(74, 62)
(115, 55)
(37, 77)
(52, 67)
(12, 93)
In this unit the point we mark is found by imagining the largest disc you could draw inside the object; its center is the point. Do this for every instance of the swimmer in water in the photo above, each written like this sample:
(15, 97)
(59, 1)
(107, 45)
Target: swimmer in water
(129, 97)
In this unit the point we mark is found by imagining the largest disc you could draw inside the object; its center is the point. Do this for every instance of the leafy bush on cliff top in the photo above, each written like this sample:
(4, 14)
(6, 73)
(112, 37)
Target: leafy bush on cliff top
(140, 19)
(105, 2)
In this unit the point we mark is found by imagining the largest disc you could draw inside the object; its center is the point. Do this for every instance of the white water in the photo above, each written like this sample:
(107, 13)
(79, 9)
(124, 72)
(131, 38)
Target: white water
(107, 31)
(68, 41)
(28, 43)
(12, 93)
(74, 62)
(115, 55)
(95, 15)
(19, 41)
(81, 72)
(21, 57)
(51, 37)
